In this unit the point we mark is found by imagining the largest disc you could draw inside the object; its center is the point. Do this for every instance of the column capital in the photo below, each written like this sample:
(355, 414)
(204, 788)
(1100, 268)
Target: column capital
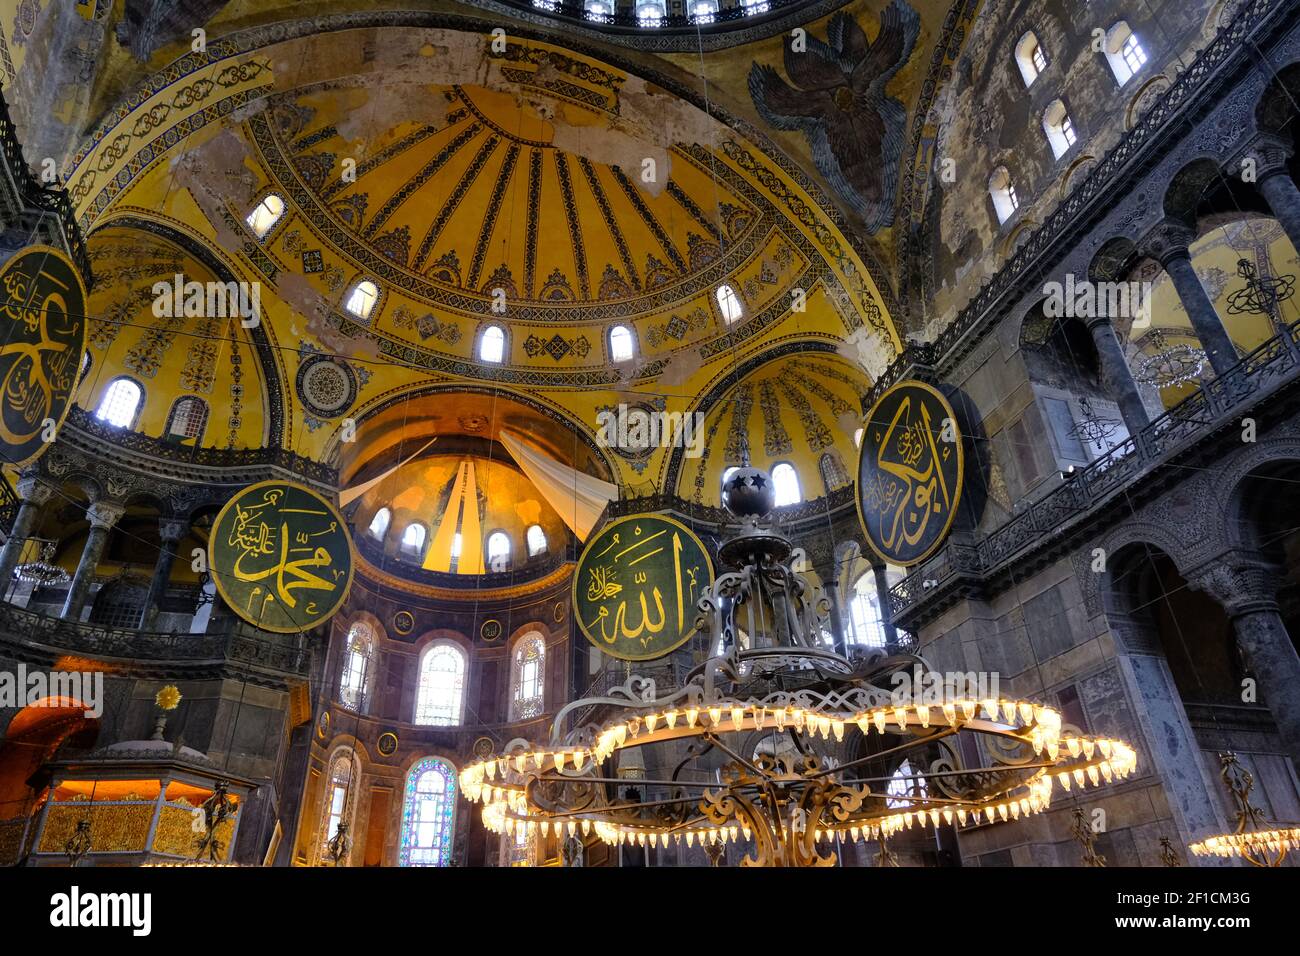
(1240, 583)
(1270, 154)
(34, 489)
(104, 513)
(1167, 240)
(172, 530)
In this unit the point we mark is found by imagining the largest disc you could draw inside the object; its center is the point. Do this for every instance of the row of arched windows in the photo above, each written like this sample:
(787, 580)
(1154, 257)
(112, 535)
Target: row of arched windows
(122, 401)
(1125, 55)
(651, 13)
(499, 546)
(442, 675)
(362, 298)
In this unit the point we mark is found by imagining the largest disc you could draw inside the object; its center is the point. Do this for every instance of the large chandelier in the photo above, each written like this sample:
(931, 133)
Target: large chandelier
(780, 743)
(1255, 840)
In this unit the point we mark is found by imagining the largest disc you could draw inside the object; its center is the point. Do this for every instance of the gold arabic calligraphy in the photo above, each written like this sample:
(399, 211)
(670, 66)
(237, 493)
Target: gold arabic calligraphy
(620, 577)
(908, 488)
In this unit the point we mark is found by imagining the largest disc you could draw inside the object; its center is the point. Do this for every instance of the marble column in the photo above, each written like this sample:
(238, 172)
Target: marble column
(1116, 376)
(1169, 243)
(34, 494)
(102, 515)
(832, 588)
(1273, 180)
(1247, 589)
(171, 533)
(886, 605)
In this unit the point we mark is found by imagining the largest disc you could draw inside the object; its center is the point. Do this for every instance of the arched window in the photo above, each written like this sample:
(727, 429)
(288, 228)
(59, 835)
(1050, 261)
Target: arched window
(866, 625)
(785, 483)
(857, 436)
(265, 215)
(528, 678)
(1124, 52)
(702, 11)
(492, 345)
(621, 344)
(536, 540)
(358, 661)
(729, 303)
(753, 7)
(379, 524)
(1005, 201)
(1059, 128)
(338, 802)
(440, 696)
(362, 299)
(905, 783)
(187, 419)
(498, 551)
(596, 9)
(1030, 57)
(87, 360)
(649, 14)
(120, 404)
(428, 814)
(413, 539)
(834, 474)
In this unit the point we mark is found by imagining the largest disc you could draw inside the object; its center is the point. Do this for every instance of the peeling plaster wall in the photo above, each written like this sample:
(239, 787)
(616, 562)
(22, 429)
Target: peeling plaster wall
(988, 118)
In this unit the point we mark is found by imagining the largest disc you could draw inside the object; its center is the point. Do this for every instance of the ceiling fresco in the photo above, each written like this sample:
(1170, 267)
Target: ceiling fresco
(574, 194)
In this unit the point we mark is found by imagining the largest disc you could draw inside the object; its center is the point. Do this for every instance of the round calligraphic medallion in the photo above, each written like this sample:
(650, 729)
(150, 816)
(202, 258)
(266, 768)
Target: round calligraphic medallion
(636, 584)
(387, 744)
(909, 473)
(43, 312)
(281, 556)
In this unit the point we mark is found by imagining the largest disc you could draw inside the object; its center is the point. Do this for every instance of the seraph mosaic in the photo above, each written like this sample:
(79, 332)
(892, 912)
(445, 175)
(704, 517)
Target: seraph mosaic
(836, 98)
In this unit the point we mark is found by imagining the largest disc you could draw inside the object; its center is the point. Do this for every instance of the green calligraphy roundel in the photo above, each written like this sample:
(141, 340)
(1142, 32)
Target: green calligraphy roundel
(636, 585)
(43, 313)
(909, 473)
(281, 556)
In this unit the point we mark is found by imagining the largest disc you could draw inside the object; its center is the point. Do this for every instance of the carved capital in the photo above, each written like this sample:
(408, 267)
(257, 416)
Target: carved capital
(1169, 239)
(105, 513)
(1241, 584)
(1268, 153)
(172, 531)
(32, 488)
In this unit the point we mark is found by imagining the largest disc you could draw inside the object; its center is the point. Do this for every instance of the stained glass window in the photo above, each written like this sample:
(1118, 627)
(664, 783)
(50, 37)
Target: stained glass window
(428, 814)
(338, 799)
(528, 673)
(354, 679)
(442, 686)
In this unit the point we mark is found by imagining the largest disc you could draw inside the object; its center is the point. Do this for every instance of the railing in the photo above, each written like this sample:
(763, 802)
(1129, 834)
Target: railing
(284, 653)
(409, 568)
(1271, 364)
(53, 201)
(85, 422)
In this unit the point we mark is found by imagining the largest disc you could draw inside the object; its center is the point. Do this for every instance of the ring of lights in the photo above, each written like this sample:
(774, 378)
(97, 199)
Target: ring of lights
(509, 785)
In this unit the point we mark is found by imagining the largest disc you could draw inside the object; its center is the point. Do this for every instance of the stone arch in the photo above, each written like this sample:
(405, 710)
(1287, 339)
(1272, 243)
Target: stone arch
(1183, 195)
(1276, 110)
(1278, 456)
(1099, 589)
(1114, 260)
